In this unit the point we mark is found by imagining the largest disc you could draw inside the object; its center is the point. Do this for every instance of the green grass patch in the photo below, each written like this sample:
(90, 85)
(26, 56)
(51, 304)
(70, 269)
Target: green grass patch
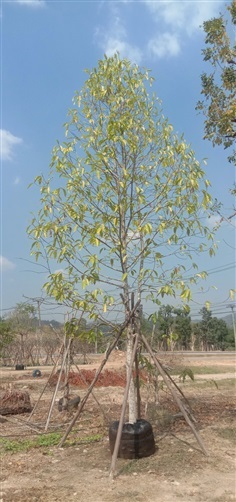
(202, 370)
(228, 433)
(226, 383)
(43, 441)
(86, 440)
(14, 446)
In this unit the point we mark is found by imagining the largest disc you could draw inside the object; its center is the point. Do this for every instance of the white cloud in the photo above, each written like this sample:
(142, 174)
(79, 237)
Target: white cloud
(165, 44)
(214, 221)
(5, 264)
(182, 15)
(113, 45)
(175, 20)
(114, 39)
(16, 181)
(32, 3)
(7, 144)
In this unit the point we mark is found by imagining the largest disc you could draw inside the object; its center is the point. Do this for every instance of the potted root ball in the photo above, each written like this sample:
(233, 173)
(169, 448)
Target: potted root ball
(137, 439)
(19, 367)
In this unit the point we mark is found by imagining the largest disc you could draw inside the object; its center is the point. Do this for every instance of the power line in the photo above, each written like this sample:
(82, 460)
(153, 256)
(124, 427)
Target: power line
(225, 265)
(221, 270)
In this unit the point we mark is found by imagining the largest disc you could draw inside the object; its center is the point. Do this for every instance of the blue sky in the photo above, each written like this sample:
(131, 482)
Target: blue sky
(46, 45)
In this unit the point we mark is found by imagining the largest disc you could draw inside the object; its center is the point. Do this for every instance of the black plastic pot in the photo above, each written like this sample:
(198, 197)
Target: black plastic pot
(137, 440)
(37, 373)
(19, 367)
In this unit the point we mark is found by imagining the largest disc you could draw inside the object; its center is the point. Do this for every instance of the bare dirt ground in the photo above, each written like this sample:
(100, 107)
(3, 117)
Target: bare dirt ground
(178, 471)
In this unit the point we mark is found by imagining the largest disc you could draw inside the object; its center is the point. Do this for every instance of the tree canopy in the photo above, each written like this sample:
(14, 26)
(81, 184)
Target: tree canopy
(124, 208)
(23, 323)
(219, 86)
(173, 327)
(6, 335)
(23, 319)
(213, 332)
(130, 195)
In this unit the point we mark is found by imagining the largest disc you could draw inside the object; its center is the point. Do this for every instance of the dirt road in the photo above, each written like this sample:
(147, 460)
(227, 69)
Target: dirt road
(178, 471)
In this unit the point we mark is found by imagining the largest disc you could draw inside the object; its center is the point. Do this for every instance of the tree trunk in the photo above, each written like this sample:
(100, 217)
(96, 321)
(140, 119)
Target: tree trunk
(132, 393)
(192, 343)
(22, 354)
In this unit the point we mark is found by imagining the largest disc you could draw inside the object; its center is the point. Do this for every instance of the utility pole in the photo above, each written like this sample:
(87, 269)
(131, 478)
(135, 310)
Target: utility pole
(233, 319)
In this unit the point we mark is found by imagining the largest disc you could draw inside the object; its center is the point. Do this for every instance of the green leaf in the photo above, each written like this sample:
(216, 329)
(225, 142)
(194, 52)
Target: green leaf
(123, 182)
(232, 293)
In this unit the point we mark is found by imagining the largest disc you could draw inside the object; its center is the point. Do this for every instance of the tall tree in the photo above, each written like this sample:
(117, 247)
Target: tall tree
(206, 327)
(219, 86)
(124, 200)
(165, 321)
(183, 327)
(174, 326)
(23, 322)
(212, 332)
(6, 336)
(221, 333)
(216, 334)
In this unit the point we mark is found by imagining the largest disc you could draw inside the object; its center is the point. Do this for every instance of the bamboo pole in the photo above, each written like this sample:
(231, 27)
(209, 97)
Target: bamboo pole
(121, 422)
(92, 393)
(58, 383)
(137, 381)
(45, 386)
(22, 422)
(137, 329)
(174, 394)
(180, 391)
(108, 352)
(67, 371)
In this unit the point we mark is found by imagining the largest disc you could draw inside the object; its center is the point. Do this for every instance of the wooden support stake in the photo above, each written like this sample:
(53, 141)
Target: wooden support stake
(174, 394)
(121, 422)
(108, 352)
(92, 393)
(136, 323)
(137, 382)
(45, 386)
(180, 391)
(22, 422)
(58, 383)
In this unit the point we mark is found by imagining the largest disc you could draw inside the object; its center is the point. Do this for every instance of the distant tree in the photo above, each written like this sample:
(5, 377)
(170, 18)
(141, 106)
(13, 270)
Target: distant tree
(206, 328)
(183, 327)
(83, 337)
(6, 336)
(220, 333)
(212, 331)
(196, 342)
(51, 341)
(124, 194)
(219, 86)
(165, 320)
(23, 323)
(229, 342)
(209, 332)
(174, 327)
